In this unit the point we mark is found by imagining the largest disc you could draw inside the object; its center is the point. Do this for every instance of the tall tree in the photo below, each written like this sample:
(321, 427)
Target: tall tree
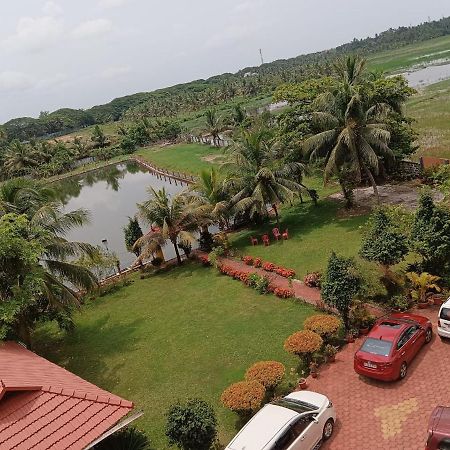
(99, 138)
(213, 125)
(132, 233)
(175, 219)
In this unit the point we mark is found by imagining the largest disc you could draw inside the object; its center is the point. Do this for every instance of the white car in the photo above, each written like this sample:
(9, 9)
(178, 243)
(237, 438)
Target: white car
(443, 328)
(299, 421)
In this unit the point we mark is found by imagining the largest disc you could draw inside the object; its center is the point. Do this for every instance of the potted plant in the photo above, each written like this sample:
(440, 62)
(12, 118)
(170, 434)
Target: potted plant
(303, 384)
(330, 352)
(422, 284)
(313, 369)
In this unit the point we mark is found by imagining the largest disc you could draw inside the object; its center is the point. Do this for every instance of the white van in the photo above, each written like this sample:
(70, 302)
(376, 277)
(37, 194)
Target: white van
(443, 328)
(299, 421)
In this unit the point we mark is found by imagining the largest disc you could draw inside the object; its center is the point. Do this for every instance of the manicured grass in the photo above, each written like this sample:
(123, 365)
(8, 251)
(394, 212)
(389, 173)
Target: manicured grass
(188, 158)
(431, 110)
(186, 333)
(314, 232)
(410, 55)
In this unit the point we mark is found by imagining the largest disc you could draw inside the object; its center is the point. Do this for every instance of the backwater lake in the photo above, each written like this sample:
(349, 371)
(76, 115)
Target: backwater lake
(428, 75)
(110, 194)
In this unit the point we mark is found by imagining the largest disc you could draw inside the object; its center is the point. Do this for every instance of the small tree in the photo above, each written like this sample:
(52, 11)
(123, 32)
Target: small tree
(268, 373)
(430, 236)
(340, 285)
(325, 325)
(132, 233)
(382, 244)
(191, 426)
(99, 138)
(128, 438)
(243, 397)
(303, 344)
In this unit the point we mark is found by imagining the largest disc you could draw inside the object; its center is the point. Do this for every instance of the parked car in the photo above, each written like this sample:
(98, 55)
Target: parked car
(443, 328)
(391, 345)
(299, 421)
(439, 429)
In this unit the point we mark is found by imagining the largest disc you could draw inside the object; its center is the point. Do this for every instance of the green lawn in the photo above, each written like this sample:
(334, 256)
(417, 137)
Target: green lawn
(188, 158)
(410, 55)
(431, 110)
(186, 333)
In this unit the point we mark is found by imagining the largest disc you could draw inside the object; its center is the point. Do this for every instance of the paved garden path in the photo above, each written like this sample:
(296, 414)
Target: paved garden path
(301, 291)
(391, 416)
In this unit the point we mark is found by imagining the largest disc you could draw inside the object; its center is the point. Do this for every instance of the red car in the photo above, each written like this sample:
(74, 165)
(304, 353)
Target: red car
(439, 429)
(391, 345)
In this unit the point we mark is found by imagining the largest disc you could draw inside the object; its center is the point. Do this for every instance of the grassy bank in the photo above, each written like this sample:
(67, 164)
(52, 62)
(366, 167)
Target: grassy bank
(186, 333)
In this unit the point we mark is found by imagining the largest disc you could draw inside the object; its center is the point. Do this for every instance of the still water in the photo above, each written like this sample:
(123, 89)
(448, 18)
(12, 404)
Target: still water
(428, 75)
(111, 194)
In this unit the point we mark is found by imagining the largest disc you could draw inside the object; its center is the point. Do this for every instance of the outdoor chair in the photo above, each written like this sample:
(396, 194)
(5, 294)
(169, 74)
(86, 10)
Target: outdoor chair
(254, 240)
(285, 235)
(266, 239)
(276, 233)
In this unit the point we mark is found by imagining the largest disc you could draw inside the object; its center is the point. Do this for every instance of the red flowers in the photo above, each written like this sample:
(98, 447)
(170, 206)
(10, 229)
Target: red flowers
(269, 267)
(257, 262)
(287, 273)
(283, 293)
(247, 260)
(204, 259)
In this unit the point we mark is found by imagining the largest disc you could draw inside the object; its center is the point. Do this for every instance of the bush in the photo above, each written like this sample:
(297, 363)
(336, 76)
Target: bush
(261, 284)
(268, 373)
(257, 262)
(192, 426)
(283, 292)
(324, 325)
(244, 396)
(269, 267)
(127, 438)
(303, 343)
(313, 279)
(204, 259)
(248, 260)
(399, 303)
(282, 271)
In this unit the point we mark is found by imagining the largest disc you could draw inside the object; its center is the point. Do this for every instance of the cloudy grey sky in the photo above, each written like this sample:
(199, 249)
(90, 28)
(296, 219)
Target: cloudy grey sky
(78, 53)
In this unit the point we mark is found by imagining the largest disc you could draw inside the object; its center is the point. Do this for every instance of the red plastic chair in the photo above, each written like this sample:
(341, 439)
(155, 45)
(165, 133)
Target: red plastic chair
(266, 239)
(254, 240)
(276, 233)
(285, 235)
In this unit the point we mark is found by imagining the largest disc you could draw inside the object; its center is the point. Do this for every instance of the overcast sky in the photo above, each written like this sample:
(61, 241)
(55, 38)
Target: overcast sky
(79, 53)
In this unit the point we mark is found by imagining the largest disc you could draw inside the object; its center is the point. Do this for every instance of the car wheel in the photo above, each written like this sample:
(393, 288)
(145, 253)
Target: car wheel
(428, 335)
(328, 429)
(403, 370)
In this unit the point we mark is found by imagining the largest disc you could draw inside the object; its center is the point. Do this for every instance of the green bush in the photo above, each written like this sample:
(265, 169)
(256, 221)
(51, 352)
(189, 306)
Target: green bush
(191, 426)
(128, 438)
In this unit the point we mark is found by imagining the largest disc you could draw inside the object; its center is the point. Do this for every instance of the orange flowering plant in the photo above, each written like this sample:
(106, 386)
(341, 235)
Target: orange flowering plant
(268, 373)
(244, 396)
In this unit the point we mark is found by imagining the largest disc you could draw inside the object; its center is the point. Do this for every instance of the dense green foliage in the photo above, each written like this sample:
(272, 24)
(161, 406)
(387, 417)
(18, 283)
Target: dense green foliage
(382, 243)
(340, 285)
(127, 438)
(192, 426)
(132, 232)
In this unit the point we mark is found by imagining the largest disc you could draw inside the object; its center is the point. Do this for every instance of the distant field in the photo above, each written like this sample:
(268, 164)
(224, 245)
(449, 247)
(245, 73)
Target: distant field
(188, 158)
(431, 109)
(405, 57)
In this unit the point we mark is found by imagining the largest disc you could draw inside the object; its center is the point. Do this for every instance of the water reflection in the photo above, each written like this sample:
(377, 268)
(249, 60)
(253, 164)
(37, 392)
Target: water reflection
(428, 75)
(111, 194)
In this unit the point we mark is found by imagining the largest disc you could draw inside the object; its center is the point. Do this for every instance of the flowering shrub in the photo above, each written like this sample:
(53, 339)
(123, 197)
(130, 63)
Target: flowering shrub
(303, 343)
(287, 273)
(313, 279)
(244, 396)
(283, 292)
(322, 324)
(257, 262)
(247, 260)
(269, 267)
(268, 373)
(244, 277)
(204, 259)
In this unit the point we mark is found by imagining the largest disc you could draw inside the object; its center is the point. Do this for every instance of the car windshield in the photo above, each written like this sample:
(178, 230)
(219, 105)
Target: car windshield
(445, 314)
(377, 346)
(295, 405)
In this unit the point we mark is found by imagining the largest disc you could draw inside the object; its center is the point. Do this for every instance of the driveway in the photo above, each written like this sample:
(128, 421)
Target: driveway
(376, 415)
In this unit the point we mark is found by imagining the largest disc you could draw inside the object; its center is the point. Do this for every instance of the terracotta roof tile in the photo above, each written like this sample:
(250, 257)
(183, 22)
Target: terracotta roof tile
(43, 406)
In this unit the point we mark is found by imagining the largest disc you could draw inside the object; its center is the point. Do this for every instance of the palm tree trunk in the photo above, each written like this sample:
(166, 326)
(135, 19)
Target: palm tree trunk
(177, 252)
(372, 182)
(276, 215)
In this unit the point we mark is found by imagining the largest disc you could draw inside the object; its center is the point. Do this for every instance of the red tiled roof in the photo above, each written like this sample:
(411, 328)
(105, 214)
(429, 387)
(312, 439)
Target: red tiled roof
(43, 406)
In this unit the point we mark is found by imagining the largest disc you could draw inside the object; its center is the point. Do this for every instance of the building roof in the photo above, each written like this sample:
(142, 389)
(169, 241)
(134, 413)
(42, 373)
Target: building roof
(43, 406)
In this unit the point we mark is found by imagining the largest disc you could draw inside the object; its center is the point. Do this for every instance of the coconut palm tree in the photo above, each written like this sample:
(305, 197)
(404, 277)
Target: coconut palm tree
(175, 219)
(49, 224)
(20, 158)
(353, 137)
(258, 179)
(213, 125)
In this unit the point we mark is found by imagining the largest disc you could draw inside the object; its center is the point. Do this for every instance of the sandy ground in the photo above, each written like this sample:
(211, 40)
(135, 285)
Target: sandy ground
(406, 194)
